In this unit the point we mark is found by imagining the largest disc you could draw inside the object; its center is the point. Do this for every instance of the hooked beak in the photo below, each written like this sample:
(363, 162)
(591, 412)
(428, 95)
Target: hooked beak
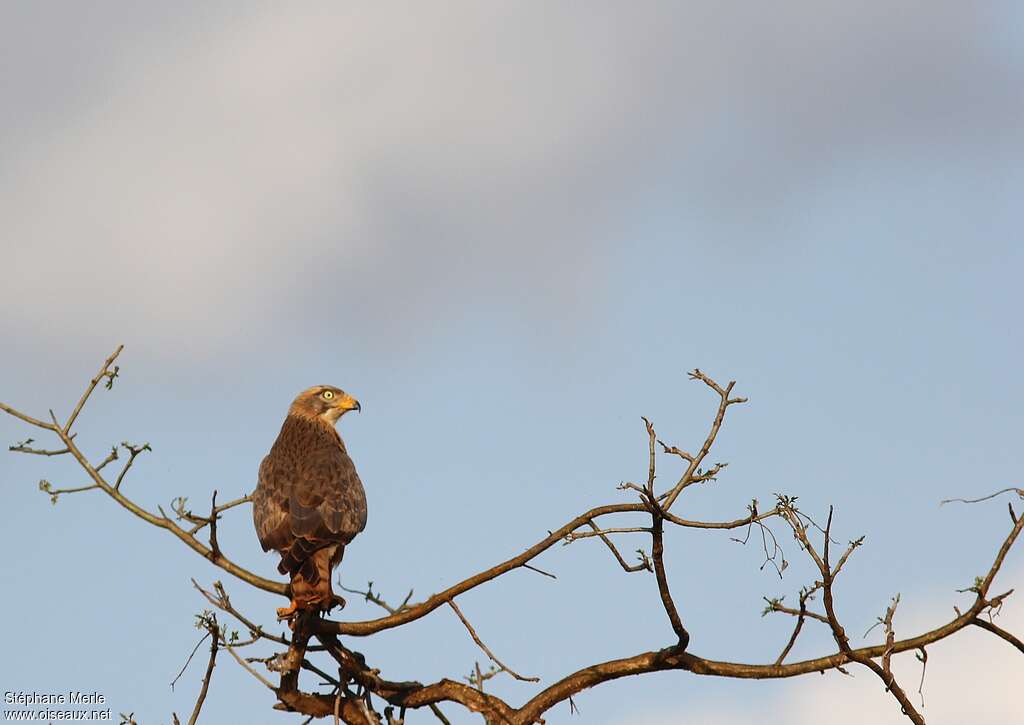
(347, 403)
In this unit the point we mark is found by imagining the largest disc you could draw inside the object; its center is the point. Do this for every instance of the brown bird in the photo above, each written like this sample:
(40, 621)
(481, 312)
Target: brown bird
(309, 502)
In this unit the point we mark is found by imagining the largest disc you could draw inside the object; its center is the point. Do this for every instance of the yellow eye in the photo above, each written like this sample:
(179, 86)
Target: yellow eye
(327, 394)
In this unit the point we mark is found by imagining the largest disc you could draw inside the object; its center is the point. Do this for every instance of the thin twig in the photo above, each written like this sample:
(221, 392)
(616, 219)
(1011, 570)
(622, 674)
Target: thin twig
(201, 521)
(574, 535)
(439, 715)
(47, 488)
(214, 643)
(28, 418)
(23, 448)
(133, 453)
(999, 632)
(485, 648)
(103, 373)
(645, 563)
(189, 660)
(223, 602)
(1019, 491)
(111, 457)
(922, 657)
(214, 546)
(247, 666)
(890, 635)
(370, 596)
(802, 614)
(539, 571)
(792, 638)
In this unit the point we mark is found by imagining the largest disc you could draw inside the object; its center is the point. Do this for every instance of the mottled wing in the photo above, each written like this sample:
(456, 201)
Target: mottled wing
(327, 504)
(270, 507)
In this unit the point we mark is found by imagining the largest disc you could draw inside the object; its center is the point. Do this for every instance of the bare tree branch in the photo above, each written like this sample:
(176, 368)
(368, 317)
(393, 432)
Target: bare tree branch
(133, 453)
(24, 447)
(485, 648)
(999, 632)
(27, 418)
(694, 463)
(658, 553)
(644, 564)
(839, 634)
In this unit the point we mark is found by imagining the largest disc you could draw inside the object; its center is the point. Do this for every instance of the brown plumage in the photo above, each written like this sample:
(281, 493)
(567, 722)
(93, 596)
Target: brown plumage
(309, 502)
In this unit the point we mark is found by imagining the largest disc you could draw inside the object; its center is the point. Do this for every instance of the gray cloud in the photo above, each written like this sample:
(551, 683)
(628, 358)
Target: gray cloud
(216, 170)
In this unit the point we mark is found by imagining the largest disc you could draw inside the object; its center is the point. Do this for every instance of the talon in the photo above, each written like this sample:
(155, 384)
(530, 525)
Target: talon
(287, 612)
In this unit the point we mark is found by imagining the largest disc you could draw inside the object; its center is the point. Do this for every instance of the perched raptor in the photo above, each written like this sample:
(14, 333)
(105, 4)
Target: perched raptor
(309, 502)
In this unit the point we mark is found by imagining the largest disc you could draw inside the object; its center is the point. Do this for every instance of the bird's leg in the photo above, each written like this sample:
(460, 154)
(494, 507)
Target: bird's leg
(329, 599)
(332, 600)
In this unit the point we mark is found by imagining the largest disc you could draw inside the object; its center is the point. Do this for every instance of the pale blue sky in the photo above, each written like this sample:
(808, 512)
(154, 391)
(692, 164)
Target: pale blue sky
(509, 233)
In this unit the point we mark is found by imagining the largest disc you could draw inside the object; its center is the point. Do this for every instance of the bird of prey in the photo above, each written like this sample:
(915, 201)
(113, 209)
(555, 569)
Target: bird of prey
(309, 502)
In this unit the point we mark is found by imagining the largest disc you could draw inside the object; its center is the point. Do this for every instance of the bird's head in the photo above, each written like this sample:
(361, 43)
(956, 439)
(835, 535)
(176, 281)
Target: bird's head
(324, 402)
